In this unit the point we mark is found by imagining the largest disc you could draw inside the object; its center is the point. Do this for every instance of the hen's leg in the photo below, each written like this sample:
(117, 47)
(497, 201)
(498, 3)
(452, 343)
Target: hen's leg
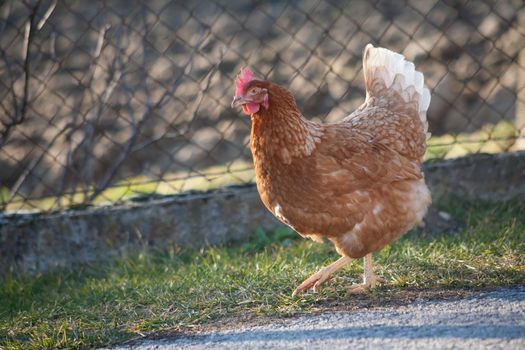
(322, 275)
(370, 279)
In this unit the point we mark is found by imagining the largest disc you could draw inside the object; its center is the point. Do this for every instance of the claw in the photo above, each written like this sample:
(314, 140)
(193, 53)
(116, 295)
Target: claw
(358, 289)
(315, 280)
(379, 280)
(311, 282)
(370, 282)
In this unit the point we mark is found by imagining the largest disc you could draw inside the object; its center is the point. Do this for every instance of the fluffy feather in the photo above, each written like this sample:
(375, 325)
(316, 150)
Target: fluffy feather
(398, 74)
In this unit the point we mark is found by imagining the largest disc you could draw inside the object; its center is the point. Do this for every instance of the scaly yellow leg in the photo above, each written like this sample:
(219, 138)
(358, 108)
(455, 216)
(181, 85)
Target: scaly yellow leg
(322, 275)
(370, 279)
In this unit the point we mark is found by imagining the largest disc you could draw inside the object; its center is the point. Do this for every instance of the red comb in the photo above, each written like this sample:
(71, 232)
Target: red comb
(243, 78)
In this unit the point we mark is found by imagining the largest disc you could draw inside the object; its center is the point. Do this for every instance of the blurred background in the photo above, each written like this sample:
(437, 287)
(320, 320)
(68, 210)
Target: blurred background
(106, 101)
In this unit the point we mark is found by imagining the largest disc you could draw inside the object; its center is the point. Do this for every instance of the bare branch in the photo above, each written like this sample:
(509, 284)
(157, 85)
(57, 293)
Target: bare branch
(146, 113)
(87, 85)
(12, 81)
(32, 165)
(6, 11)
(47, 14)
(28, 38)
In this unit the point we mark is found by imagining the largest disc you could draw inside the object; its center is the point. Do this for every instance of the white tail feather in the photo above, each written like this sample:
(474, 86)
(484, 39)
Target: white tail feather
(392, 65)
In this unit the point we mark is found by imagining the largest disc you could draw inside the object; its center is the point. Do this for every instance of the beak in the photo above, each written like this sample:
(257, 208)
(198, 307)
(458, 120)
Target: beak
(238, 100)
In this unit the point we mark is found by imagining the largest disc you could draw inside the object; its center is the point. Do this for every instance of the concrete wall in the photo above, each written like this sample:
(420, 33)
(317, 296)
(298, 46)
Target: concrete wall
(37, 243)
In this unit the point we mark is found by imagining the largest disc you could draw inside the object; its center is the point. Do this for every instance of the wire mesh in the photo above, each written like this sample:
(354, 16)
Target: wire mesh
(111, 100)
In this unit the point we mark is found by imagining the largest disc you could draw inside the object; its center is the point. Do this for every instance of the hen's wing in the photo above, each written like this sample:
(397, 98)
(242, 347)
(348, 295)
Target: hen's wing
(394, 111)
(338, 185)
(348, 160)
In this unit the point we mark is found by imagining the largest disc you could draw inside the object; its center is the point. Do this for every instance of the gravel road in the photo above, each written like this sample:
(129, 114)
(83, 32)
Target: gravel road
(488, 320)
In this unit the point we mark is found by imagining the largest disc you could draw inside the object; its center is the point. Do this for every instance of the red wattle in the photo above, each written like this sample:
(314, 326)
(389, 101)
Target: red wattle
(250, 108)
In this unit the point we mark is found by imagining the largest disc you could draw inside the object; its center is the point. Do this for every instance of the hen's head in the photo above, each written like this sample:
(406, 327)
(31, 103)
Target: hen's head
(250, 93)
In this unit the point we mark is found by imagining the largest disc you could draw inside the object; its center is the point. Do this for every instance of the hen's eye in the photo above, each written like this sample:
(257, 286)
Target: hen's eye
(253, 91)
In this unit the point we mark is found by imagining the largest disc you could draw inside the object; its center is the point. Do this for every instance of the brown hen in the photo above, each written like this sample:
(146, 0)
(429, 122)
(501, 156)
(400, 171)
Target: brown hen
(357, 182)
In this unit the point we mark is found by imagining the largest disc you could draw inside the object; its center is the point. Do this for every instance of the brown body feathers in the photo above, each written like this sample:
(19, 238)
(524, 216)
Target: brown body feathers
(357, 182)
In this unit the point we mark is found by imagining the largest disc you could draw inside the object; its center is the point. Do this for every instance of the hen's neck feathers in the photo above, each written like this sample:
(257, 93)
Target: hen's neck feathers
(281, 131)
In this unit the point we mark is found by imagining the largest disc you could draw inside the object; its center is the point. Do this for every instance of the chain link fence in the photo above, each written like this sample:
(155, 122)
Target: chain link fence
(102, 101)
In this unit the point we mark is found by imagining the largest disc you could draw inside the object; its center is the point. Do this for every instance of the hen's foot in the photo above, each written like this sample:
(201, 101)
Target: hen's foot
(370, 282)
(313, 281)
(321, 276)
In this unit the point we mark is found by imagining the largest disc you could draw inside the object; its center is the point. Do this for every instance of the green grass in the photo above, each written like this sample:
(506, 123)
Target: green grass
(176, 289)
(491, 138)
